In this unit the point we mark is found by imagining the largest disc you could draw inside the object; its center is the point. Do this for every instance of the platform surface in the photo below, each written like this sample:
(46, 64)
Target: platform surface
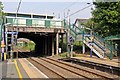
(100, 61)
(31, 70)
(19, 68)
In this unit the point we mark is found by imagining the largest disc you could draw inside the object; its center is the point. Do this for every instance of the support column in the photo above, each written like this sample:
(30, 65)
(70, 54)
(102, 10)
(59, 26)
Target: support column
(45, 45)
(83, 48)
(111, 55)
(48, 46)
(2, 46)
(68, 42)
(6, 40)
(17, 54)
(11, 50)
(43, 48)
(52, 45)
(57, 43)
(71, 51)
(62, 43)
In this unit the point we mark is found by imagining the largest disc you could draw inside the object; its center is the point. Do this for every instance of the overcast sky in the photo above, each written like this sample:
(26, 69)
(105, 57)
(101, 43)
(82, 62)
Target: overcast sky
(50, 7)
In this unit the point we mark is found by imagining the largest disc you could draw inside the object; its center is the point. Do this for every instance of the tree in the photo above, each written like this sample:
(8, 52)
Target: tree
(106, 18)
(1, 14)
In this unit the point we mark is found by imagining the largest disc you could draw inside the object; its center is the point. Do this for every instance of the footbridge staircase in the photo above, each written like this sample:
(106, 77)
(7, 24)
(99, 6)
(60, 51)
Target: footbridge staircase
(98, 45)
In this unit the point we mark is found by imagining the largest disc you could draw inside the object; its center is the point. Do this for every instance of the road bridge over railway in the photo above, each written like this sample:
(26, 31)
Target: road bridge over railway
(44, 30)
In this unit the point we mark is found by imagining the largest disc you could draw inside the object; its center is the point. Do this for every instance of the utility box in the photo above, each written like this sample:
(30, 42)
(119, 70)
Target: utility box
(59, 50)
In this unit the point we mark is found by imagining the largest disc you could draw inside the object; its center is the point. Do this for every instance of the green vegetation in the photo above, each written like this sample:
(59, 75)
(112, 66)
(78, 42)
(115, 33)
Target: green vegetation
(63, 55)
(106, 18)
(77, 46)
(31, 46)
(1, 14)
(106, 21)
(26, 46)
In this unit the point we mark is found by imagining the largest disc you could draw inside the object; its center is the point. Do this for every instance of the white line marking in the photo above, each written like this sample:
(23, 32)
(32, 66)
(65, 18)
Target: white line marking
(36, 68)
(10, 63)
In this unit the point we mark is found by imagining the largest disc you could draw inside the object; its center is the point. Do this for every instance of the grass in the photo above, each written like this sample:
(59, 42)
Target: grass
(65, 55)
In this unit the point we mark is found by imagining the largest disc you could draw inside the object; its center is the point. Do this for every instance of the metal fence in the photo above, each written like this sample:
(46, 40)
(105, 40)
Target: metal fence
(35, 22)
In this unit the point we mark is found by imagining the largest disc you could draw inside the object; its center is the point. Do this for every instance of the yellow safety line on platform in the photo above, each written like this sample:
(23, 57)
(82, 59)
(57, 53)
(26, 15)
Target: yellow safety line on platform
(0, 56)
(4, 56)
(20, 76)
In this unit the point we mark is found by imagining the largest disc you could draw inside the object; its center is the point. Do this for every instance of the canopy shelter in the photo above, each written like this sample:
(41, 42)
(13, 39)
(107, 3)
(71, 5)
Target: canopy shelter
(113, 38)
(115, 41)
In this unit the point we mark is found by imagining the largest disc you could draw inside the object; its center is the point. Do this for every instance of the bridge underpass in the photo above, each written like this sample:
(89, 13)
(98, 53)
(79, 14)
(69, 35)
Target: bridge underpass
(47, 43)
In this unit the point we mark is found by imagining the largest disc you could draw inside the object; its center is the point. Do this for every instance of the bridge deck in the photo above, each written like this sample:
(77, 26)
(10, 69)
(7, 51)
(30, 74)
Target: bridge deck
(36, 29)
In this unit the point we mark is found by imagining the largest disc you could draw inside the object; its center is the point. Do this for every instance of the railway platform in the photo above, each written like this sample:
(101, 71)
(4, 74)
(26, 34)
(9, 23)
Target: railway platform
(114, 62)
(104, 65)
(19, 69)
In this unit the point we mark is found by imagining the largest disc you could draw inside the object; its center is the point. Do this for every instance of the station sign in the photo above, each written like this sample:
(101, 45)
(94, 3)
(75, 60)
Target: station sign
(12, 33)
(71, 39)
(87, 35)
(91, 43)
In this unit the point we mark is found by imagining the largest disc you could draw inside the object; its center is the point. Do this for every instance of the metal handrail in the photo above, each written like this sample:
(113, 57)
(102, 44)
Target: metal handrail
(106, 44)
(101, 40)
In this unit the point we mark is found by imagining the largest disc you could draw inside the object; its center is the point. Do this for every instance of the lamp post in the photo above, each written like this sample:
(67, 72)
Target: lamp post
(83, 47)
(92, 40)
(4, 41)
(68, 30)
(2, 45)
(6, 37)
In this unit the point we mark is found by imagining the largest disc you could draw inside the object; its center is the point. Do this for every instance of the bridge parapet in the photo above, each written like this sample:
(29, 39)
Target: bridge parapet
(35, 22)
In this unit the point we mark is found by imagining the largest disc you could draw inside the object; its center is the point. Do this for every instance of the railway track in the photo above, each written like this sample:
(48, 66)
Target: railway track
(92, 71)
(58, 69)
(59, 73)
(83, 74)
(46, 70)
(110, 69)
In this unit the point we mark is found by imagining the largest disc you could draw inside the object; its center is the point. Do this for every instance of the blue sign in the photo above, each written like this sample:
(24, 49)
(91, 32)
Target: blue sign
(91, 43)
(87, 35)
(71, 39)
(12, 33)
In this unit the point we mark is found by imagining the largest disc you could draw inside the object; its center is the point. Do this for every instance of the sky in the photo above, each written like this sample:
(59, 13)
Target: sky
(51, 7)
